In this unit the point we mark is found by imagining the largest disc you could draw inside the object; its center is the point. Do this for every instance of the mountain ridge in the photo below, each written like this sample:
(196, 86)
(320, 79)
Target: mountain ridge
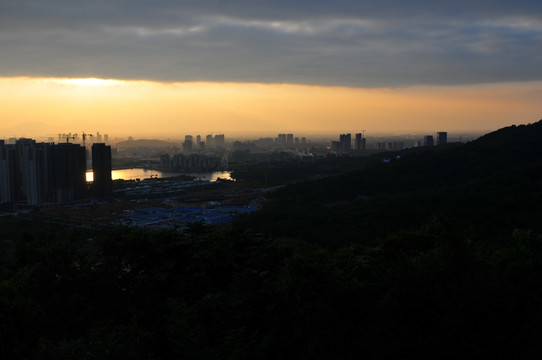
(486, 183)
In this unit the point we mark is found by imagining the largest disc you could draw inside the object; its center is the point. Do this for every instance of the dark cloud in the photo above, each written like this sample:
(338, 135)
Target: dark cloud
(353, 43)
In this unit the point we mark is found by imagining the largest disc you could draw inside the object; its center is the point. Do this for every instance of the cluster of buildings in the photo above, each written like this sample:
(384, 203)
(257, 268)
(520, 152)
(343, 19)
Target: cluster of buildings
(188, 162)
(178, 217)
(211, 141)
(442, 138)
(193, 156)
(281, 141)
(81, 138)
(288, 140)
(344, 145)
(36, 173)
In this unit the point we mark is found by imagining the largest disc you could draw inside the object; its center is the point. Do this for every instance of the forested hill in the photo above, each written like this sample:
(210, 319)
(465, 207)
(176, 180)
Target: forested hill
(488, 184)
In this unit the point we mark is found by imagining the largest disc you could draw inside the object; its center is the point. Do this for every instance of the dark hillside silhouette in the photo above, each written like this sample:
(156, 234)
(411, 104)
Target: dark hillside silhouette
(489, 183)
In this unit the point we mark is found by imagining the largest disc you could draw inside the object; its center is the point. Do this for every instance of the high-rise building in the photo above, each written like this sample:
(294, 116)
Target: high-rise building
(101, 167)
(165, 161)
(200, 145)
(219, 140)
(8, 178)
(33, 176)
(69, 167)
(360, 142)
(187, 144)
(35, 173)
(345, 142)
(289, 139)
(442, 138)
(280, 140)
(428, 140)
(209, 141)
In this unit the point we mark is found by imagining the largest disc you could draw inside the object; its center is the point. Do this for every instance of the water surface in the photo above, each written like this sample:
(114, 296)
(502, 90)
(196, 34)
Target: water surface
(141, 173)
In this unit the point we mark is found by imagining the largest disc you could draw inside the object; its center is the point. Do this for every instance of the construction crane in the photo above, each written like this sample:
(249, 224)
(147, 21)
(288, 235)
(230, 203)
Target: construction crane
(84, 136)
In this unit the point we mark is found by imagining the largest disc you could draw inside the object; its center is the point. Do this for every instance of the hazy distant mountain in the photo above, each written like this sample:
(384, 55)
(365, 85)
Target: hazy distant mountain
(147, 143)
(31, 129)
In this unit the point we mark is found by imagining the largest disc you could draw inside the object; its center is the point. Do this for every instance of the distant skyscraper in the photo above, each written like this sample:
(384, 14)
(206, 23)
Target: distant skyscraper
(209, 141)
(165, 161)
(280, 140)
(187, 144)
(442, 138)
(345, 142)
(199, 144)
(360, 143)
(428, 140)
(101, 167)
(219, 140)
(289, 139)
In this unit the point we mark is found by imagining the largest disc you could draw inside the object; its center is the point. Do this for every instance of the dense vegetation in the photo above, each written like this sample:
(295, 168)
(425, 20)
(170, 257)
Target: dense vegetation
(491, 186)
(279, 171)
(437, 254)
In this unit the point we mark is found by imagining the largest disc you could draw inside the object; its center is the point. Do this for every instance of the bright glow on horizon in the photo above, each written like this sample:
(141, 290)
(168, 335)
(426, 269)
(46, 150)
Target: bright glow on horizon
(88, 82)
(40, 107)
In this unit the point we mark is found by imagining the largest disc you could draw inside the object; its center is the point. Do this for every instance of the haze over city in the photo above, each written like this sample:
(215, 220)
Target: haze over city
(167, 69)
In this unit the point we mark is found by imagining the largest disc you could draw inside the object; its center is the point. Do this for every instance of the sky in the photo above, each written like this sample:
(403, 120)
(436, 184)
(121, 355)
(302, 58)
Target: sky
(166, 68)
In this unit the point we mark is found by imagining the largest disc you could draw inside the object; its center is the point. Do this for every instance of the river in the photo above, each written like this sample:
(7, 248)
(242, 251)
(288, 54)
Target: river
(140, 173)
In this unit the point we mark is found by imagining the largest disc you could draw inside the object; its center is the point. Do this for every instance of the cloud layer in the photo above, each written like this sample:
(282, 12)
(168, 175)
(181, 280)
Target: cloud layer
(345, 43)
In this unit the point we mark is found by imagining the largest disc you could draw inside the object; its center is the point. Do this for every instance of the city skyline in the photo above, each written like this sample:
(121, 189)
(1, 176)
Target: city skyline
(149, 69)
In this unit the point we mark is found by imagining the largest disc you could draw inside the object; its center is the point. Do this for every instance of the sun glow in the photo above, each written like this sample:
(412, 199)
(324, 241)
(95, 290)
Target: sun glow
(88, 82)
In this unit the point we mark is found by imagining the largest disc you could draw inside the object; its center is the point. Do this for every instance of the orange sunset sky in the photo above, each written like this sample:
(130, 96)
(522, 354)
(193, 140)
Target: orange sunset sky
(166, 69)
(35, 107)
